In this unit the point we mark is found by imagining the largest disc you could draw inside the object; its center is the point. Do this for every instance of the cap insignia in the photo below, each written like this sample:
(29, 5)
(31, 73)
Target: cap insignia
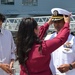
(55, 13)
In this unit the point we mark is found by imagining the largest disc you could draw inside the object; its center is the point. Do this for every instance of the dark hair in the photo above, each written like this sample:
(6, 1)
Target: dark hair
(26, 37)
(2, 17)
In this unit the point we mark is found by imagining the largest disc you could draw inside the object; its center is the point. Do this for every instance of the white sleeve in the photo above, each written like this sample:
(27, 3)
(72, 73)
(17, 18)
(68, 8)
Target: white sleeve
(74, 46)
(13, 48)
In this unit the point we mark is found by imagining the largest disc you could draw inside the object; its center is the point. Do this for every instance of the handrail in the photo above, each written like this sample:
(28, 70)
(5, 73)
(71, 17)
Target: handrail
(13, 23)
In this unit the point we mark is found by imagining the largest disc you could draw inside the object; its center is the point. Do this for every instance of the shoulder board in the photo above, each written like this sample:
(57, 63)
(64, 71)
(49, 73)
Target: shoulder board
(52, 32)
(73, 33)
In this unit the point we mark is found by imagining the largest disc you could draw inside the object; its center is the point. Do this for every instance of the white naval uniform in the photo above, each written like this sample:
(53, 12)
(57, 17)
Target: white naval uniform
(62, 56)
(7, 48)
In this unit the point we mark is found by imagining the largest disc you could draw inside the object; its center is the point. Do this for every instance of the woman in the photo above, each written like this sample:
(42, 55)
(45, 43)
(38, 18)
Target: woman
(32, 51)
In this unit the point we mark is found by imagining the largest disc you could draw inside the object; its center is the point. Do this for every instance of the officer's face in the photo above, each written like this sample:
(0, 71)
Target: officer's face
(58, 24)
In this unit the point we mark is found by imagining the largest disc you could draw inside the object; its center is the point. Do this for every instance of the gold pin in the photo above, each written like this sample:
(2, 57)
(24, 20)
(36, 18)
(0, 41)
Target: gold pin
(67, 49)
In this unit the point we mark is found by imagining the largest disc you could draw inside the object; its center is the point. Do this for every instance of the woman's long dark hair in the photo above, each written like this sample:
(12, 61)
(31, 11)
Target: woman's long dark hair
(26, 37)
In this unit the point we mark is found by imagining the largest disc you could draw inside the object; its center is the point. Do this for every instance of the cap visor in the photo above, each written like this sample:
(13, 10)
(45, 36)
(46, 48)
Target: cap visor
(56, 18)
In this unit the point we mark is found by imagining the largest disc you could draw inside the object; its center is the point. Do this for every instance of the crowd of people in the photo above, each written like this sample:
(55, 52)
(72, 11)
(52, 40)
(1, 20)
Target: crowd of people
(54, 55)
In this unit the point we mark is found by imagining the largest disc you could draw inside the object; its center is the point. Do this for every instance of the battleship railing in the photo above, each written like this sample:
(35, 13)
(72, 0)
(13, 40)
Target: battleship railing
(12, 24)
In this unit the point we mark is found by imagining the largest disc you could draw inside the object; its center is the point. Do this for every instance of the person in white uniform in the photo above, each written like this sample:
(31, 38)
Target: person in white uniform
(62, 59)
(7, 49)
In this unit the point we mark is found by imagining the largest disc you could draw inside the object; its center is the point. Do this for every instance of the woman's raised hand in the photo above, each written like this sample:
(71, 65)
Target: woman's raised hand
(67, 19)
(50, 21)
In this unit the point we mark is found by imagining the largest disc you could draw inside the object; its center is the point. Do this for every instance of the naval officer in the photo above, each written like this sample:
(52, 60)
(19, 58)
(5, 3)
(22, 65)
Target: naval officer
(62, 59)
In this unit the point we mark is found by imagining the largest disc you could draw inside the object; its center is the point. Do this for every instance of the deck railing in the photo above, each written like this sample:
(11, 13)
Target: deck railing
(13, 23)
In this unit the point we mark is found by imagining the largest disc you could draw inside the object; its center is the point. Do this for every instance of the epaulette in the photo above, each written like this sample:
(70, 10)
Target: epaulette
(53, 32)
(50, 32)
(72, 33)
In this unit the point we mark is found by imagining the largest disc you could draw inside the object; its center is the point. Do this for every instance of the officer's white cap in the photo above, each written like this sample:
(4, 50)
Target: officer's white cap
(60, 11)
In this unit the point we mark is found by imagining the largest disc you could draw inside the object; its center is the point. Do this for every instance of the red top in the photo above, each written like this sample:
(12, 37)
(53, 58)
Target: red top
(38, 62)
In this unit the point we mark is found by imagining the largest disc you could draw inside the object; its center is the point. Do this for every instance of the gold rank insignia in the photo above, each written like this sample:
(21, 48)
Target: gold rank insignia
(67, 46)
(55, 13)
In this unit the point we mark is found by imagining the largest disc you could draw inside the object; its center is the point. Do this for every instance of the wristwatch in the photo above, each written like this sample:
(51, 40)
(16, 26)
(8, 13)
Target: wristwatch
(71, 67)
